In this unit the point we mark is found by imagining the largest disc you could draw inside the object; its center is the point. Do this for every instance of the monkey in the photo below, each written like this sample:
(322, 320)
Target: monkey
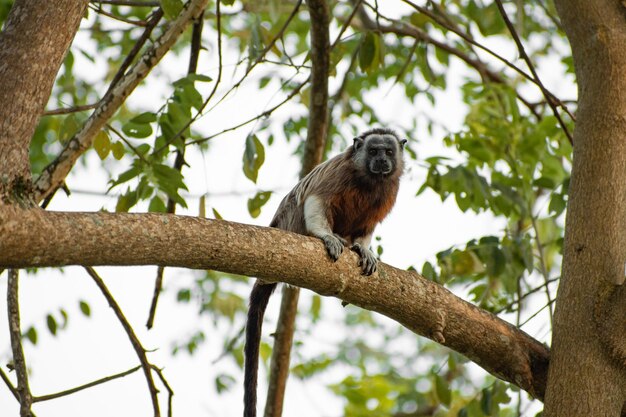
(340, 202)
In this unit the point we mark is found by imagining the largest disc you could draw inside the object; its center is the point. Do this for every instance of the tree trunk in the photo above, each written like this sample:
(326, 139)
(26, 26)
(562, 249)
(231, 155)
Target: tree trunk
(32, 46)
(587, 374)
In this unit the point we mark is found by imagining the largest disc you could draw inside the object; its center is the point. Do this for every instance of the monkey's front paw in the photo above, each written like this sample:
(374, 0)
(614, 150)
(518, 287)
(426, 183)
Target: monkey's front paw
(334, 246)
(342, 240)
(368, 260)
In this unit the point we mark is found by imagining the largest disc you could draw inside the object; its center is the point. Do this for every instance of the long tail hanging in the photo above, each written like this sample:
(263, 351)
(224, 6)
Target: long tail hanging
(259, 297)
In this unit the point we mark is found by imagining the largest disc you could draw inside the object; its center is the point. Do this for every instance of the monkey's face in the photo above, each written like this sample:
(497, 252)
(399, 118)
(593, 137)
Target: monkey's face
(380, 155)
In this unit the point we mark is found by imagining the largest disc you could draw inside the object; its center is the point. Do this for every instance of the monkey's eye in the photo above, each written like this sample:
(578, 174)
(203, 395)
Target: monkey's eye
(389, 152)
(372, 152)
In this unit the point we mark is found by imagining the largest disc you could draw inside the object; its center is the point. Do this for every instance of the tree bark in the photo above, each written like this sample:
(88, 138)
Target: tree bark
(588, 366)
(32, 47)
(160, 239)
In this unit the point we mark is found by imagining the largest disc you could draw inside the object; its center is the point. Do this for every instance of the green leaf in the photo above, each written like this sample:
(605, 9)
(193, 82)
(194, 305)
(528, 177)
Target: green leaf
(202, 207)
(52, 324)
(84, 308)
(157, 205)
(428, 271)
(255, 44)
(199, 77)
(126, 176)
(102, 144)
(443, 390)
(171, 8)
(557, 204)
(31, 335)
(118, 150)
(217, 214)
(65, 318)
(224, 382)
(258, 201)
(253, 157)
(370, 52)
(143, 118)
(183, 295)
(485, 402)
(137, 130)
(170, 180)
(316, 307)
(69, 127)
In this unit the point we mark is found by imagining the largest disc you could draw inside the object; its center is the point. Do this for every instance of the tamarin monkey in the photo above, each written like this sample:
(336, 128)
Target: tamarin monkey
(340, 201)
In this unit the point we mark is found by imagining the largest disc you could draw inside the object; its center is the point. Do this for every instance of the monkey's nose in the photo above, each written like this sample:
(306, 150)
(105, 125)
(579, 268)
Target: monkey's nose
(381, 166)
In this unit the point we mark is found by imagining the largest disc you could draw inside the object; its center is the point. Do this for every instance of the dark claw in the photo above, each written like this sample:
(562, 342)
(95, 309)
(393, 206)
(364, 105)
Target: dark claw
(334, 246)
(368, 259)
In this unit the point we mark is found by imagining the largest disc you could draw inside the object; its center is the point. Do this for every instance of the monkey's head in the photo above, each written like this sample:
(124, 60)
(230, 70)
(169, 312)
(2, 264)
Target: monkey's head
(379, 153)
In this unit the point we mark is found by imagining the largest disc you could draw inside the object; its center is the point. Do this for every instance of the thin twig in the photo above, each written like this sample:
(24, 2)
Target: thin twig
(98, 9)
(525, 295)
(9, 385)
(263, 114)
(170, 392)
(152, 22)
(67, 110)
(128, 3)
(550, 98)
(542, 265)
(70, 391)
(13, 307)
(139, 349)
(534, 315)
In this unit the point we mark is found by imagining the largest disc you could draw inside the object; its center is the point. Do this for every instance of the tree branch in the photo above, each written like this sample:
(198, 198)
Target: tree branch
(91, 384)
(54, 174)
(13, 307)
(160, 239)
(134, 340)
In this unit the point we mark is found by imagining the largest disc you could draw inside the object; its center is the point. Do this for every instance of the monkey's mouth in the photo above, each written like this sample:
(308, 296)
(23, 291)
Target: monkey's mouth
(381, 172)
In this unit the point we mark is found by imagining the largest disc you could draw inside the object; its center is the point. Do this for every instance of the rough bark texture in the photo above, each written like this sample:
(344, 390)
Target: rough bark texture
(588, 366)
(32, 47)
(159, 239)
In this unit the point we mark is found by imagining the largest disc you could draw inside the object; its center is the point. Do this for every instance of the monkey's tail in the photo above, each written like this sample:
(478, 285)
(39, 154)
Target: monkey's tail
(259, 297)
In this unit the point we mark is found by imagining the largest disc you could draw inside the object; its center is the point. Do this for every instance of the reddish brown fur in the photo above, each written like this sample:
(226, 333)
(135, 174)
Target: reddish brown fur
(357, 201)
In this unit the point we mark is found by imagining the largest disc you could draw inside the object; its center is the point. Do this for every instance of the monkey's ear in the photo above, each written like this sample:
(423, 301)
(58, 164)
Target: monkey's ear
(403, 142)
(358, 142)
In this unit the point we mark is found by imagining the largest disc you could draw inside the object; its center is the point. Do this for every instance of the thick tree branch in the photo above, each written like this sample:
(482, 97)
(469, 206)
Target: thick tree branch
(54, 175)
(159, 239)
(25, 87)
